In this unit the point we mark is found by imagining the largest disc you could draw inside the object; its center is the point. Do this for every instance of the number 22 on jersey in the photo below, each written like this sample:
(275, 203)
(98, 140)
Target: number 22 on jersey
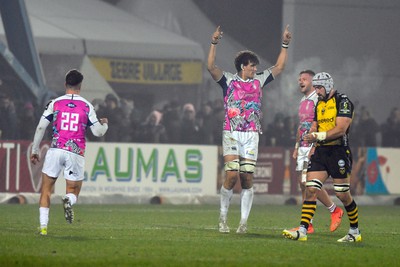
(69, 121)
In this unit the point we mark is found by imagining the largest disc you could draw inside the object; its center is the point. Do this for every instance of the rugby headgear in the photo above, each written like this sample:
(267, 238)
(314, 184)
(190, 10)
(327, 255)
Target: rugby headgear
(323, 79)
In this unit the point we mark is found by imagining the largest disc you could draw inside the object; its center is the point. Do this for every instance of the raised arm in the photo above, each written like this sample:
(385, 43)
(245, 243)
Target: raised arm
(282, 57)
(216, 73)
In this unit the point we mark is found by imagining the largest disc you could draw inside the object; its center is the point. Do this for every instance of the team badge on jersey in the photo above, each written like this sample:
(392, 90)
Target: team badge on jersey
(344, 107)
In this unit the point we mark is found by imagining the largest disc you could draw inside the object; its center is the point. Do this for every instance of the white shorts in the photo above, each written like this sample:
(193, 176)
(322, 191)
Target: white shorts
(57, 159)
(243, 144)
(302, 156)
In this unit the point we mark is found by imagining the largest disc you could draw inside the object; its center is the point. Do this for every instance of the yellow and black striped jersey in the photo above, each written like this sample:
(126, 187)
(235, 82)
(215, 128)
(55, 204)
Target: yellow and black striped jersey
(326, 112)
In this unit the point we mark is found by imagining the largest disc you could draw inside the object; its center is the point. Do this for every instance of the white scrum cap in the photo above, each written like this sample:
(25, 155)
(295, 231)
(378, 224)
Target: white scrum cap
(323, 79)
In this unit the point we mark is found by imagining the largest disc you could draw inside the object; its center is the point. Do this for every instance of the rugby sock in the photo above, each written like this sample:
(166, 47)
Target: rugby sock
(246, 198)
(332, 208)
(43, 216)
(352, 213)
(226, 196)
(307, 212)
(354, 231)
(72, 198)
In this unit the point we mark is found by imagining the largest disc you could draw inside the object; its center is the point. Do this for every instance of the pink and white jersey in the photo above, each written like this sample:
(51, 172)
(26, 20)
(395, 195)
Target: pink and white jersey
(306, 115)
(242, 100)
(71, 116)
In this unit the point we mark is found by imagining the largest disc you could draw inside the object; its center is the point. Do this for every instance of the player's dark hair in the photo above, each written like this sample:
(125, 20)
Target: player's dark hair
(73, 78)
(244, 58)
(309, 72)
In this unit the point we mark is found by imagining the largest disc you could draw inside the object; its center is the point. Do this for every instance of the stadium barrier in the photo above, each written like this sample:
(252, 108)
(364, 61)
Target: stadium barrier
(166, 173)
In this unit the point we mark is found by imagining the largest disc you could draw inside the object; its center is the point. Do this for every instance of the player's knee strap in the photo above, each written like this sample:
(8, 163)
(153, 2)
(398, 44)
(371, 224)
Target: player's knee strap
(341, 188)
(232, 165)
(314, 183)
(247, 166)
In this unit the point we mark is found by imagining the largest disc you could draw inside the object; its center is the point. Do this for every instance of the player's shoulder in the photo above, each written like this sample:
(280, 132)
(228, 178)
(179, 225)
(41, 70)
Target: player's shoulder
(343, 98)
(73, 97)
(49, 103)
(86, 102)
(264, 77)
(313, 96)
(345, 106)
(267, 71)
(81, 98)
(264, 73)
(228, 75)
(74, 100)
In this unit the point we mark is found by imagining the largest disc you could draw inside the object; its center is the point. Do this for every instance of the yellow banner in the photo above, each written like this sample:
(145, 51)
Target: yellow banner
(149, 71)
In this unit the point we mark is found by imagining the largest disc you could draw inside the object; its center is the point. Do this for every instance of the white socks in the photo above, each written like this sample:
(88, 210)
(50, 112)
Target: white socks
(226, 196)
(303, 230)
(246, 197)
(44, 212)
(72, 198)
(43, 216)
(354, 231)
(332, 208)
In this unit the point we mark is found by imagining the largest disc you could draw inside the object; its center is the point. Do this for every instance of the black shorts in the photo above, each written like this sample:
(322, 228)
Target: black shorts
(335, 160)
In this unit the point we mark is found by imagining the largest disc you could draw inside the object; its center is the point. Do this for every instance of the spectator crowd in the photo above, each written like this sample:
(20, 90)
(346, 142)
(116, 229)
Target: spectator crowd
(183, 123)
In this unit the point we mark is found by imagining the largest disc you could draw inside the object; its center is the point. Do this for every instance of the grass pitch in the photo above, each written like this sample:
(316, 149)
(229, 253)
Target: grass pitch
(168, 235)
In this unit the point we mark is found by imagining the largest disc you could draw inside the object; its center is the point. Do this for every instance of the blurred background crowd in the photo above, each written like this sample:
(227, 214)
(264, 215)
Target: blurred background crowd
(154, 87)
(184, 123)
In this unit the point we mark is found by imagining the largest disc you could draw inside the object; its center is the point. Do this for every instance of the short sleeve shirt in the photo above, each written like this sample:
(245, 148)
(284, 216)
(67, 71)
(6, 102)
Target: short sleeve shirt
(326, 112)
(306, 115)
(242, 101)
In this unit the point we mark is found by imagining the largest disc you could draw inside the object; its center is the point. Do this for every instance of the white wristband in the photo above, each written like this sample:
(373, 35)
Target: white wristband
(320, 136)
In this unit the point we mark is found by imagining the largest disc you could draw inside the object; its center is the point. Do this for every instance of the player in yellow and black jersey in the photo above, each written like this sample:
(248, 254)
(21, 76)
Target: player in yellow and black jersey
(332, 157)
(326, 112)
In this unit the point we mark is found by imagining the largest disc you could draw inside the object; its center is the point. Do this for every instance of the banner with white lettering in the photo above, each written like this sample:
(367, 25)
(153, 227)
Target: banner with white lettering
(17, 174)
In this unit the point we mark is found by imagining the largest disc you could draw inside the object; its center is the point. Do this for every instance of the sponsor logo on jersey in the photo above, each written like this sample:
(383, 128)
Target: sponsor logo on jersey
(326, 120)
